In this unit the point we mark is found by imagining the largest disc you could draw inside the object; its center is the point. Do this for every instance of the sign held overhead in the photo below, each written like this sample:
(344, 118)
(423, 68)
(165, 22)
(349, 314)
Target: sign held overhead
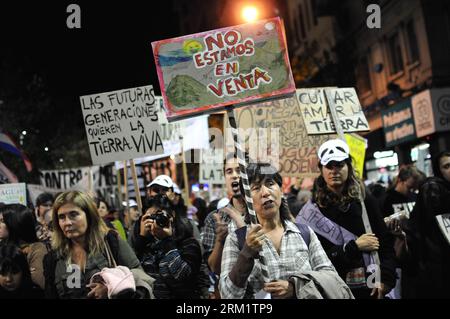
(122, 125)
(316, 103)
(207, 71)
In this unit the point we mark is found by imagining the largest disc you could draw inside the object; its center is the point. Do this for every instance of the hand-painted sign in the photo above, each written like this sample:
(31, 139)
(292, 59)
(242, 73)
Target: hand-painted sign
(207, 71)
(297, 150)
(398, 123)
(13, 194)
(122, 125)
(316, 114)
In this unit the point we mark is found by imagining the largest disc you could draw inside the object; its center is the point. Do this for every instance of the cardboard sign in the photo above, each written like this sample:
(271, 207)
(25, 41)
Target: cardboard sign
(357, 145)
(211, 167)
(122, 125)
(444, 225)
(13, 193)
(316, 114)
(102, 180)
(398, 123)
(207, 71)
(296, 151)
(190, 134)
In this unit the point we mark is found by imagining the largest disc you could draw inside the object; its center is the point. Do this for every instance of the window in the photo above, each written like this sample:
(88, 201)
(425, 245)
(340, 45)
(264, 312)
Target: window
(413, 54)
(395, 54)
(363, 76)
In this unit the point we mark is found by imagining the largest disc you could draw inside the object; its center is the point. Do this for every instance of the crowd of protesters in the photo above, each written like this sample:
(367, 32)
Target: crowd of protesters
(327, 242)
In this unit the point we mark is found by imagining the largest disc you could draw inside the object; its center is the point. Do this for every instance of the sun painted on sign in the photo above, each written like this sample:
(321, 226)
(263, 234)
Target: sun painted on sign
(207, 71)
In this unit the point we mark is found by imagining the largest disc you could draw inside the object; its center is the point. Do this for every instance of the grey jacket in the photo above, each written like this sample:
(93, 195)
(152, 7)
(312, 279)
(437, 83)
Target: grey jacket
(320, 285)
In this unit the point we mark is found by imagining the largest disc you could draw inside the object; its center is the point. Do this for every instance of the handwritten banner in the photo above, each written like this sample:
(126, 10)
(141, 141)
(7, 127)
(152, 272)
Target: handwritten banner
(122, 125)
(207, 71)
(316, 114)
(444, 225)
(296, 150)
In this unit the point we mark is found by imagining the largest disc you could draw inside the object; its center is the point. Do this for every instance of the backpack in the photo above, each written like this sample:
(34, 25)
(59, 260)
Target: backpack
(242, 232)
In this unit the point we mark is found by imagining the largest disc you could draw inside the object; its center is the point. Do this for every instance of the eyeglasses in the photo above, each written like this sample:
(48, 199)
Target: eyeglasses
(334, 164)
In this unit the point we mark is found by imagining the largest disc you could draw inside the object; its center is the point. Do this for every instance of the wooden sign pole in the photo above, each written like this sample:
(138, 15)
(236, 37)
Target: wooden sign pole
(365, 217)
(136, 185)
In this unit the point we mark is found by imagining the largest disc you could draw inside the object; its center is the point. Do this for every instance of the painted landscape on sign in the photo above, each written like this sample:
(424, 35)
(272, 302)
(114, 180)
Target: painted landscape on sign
(207, 71)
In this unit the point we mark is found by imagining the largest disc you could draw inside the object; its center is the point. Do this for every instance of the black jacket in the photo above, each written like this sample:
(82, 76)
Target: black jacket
(351, 220)
(430, 252)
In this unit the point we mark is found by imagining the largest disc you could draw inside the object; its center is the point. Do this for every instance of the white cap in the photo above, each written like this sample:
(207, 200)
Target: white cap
(222, 203)
(333, 150)
(162, 180)
(131, 203)
(176, 189)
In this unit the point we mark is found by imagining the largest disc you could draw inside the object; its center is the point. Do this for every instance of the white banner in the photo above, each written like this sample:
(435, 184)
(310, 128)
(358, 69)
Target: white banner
(444, 225)
(103, 181)
(194, 132)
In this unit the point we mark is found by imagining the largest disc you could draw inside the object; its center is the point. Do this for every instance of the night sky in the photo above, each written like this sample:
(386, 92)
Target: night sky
(111, 51)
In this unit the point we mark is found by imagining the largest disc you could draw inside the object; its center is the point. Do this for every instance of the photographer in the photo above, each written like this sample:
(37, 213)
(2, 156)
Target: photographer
(168, 251)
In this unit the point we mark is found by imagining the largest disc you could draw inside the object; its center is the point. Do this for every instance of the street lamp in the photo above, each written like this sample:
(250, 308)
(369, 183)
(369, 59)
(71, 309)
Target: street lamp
(249, 13)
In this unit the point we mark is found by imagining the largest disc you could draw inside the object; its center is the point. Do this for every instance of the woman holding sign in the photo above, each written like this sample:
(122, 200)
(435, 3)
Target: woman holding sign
(335, 214)
(294, 257)
(429, 232)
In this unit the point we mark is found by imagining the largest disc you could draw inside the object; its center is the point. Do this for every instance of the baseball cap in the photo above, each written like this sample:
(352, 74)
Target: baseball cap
(176, 189)
(223, 202)
(162, 180)
(333, 150)
(131, 203)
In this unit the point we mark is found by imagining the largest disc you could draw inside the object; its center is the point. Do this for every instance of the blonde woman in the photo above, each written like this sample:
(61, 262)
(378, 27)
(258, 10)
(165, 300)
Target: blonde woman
(81, 244)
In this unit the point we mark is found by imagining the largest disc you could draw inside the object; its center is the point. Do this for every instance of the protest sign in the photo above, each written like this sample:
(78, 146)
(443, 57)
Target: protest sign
(13, 193)
(444, 225)
(357, 145)
(296, 151)
(101, 179)
(317, 116)
(189, 133)
(207, 71)
(211, 167)
(122, 125)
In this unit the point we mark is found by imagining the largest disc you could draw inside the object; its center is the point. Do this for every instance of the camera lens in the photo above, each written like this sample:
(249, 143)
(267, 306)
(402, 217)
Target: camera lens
(161, 219)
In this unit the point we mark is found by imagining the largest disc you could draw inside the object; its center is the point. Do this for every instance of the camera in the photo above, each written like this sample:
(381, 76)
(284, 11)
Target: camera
(161, 218)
